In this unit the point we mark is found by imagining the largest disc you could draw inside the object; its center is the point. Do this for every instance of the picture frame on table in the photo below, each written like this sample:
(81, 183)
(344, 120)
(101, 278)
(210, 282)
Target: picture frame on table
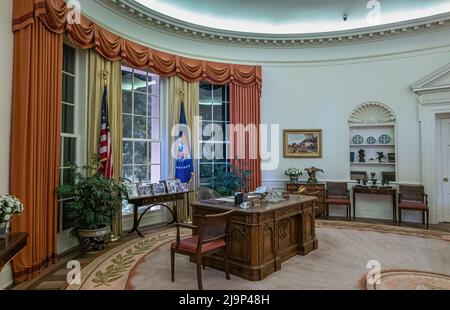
(159, 189)
(174, 186)
(302, 143)
(132, 189)
(145, 190)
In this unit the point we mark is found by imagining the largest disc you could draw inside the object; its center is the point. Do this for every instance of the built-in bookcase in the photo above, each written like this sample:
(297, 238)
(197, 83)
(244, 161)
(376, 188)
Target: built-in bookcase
(372, 129)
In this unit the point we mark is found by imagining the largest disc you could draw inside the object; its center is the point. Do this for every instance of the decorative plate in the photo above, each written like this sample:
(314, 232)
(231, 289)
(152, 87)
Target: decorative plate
(384, 139)
(357, 139)
(371, 140)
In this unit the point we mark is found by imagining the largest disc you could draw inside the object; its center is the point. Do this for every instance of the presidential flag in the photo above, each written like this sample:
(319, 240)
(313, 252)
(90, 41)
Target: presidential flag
(105, 146)
(184, 165)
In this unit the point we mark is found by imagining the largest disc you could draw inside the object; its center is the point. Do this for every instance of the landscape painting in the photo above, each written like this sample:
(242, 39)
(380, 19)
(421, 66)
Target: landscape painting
(303, 143)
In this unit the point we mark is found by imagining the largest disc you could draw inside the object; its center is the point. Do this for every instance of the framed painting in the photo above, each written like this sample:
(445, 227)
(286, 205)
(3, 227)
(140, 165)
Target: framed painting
(302, 143)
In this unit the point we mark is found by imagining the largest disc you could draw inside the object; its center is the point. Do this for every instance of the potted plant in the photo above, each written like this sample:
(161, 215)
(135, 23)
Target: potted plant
(9, 206)
(227, 180)
(93, 201)
(293, 174)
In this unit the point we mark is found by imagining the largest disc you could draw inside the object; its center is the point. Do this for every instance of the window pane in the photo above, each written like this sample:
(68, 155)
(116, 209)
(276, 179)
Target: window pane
(206, 150)
(205, 174)
(153, 84)
(69, 59)
(140, 81)
(140, 104)
(141, 153)
(66, 222)
(67, 176)
(68, 89)
(127, 152)
(68, 115)
(207, 131)
(156, 153)
(127, 102)
(139, 127)
(127, 79)
(153, 128)
(127, 126)
(154, 106)
(205, 92)
(141, 173)
(218, 93)
(218, 112)
(219, 152)
(69, 151)
(155, 173)
(219, 131)
(127, 173)
(206, 111)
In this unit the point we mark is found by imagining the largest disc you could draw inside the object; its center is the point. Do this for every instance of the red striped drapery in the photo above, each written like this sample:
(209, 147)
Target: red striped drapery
(245, 119)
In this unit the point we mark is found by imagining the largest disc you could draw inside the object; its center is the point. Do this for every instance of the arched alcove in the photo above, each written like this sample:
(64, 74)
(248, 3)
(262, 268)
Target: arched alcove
(373, 143)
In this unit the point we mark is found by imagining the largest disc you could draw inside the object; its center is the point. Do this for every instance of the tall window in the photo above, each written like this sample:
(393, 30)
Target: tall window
(69, 130)
(214, 141)
(141, 114)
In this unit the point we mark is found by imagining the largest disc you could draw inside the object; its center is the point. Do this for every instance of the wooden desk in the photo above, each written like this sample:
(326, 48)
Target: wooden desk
(376, 191)
(311, 187)
(154, 201)
(10, 245)
(261, 238)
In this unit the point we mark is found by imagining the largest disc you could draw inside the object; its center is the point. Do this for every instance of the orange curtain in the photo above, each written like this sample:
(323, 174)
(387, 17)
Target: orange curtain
(245, 119)
(88, 34)
(35, 143)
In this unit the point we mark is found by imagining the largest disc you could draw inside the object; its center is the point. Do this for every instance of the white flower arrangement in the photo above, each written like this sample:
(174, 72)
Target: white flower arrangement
(293, 172)
(9, 205)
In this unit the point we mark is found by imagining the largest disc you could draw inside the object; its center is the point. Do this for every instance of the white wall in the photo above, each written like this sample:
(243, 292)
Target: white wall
(6, 60)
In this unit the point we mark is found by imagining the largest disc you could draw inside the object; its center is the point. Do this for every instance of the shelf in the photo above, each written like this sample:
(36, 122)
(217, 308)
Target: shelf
(372, 145)
(372, 164)
(372, 125)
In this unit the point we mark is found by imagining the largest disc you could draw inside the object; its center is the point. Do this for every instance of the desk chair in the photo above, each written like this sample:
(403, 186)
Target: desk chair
(337, 193)
(211, 237)
(205, 193)
(413, 197)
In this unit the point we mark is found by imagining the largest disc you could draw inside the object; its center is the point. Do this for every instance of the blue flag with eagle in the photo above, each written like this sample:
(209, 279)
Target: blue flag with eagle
(184, 165)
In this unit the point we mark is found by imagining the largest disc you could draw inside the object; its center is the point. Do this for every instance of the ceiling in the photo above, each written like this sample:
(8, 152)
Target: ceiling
(294, 16)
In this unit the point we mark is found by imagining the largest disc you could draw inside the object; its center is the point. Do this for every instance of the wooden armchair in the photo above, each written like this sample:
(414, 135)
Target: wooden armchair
(210, 237)
(337, 193)
(413, 197)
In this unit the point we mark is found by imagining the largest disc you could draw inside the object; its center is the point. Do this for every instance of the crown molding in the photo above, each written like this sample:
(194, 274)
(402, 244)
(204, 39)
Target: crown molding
(138, 13)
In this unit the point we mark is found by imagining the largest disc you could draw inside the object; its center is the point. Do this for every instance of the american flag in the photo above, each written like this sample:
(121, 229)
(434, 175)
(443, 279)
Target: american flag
(105, 145)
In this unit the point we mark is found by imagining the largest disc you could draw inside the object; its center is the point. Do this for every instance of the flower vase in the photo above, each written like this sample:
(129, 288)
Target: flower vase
(294, 178)
(3, 227)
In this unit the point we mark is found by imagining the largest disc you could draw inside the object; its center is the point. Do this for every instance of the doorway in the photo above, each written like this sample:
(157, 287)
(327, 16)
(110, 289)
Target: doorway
(444, 175)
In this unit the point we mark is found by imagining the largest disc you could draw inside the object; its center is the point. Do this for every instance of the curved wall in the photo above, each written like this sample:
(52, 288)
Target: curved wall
(317, 87)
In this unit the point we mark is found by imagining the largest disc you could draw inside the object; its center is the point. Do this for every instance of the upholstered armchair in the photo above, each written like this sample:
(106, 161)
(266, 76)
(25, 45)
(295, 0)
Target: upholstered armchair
(210, 236)
(204, 193)
(413, 197)
(337, 193)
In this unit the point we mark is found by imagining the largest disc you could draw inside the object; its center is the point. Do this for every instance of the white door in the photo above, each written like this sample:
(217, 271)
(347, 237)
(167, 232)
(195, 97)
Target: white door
(445, 136)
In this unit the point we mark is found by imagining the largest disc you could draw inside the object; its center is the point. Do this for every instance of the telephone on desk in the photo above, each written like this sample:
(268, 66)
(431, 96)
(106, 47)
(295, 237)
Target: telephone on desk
(261, 192)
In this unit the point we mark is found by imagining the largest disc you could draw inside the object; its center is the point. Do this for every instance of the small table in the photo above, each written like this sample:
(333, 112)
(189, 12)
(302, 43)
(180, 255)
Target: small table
(155, 201)
(376, 191)
(10, 245)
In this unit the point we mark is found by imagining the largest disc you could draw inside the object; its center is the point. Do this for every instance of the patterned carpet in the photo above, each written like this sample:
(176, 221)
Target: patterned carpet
(409, 259)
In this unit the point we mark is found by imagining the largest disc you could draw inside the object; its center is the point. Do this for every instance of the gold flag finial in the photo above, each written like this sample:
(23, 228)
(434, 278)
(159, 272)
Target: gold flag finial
(105, 76)
(180, 92)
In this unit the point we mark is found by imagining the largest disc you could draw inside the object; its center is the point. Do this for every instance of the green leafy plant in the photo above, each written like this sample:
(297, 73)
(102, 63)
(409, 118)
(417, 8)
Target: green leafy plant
(93, 199)
(226, 181)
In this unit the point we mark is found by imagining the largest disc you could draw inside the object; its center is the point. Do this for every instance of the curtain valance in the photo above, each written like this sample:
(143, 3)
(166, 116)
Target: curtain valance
(87, 34)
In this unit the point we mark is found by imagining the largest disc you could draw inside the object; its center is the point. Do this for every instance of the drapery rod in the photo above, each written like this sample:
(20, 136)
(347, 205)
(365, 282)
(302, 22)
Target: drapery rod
(105, 76)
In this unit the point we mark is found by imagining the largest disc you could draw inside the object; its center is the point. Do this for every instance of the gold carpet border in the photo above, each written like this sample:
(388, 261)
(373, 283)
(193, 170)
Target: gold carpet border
(381, 228)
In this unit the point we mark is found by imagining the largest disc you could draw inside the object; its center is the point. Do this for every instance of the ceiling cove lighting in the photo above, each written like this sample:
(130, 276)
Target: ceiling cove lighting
(303, 27)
